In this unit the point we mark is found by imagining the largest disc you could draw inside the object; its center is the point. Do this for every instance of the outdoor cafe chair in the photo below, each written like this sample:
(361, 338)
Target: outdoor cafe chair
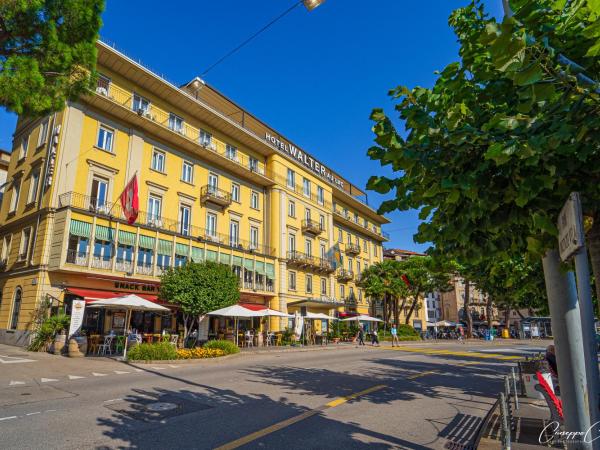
(279, 341)
(119, 344)
(93, 343)
(106, 346)
(249, 339)
(173, 340)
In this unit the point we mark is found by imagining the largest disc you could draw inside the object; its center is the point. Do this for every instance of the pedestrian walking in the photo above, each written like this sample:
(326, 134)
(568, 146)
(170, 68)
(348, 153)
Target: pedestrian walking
(361, 336)
(461, 335)
(395, 340)
(374, 337)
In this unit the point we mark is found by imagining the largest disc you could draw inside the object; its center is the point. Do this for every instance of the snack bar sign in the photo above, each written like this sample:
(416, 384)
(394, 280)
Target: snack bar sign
(304, 158)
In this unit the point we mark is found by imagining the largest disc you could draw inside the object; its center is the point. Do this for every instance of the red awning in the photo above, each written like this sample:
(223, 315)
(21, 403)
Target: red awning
(253, 306)
(91, 295)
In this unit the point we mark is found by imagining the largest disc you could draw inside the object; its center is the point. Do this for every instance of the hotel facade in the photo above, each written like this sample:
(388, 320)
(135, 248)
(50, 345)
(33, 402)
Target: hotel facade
(214, 182)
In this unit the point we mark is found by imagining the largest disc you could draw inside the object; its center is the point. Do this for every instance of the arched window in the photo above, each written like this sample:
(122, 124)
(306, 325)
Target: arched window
(16, 309)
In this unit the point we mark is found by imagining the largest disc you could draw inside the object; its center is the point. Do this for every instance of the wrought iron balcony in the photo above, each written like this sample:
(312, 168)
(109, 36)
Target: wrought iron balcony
(215, 196)
(344, 275)
(78, 258)
(312, 227)
(352, 249)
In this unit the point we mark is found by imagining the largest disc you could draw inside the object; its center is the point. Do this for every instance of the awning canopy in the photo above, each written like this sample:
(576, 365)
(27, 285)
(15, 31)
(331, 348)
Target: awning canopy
(235, 311)
(321, 316)
(253, 306)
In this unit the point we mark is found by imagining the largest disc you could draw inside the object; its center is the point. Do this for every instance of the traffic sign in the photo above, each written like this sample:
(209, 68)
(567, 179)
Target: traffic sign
(570, 227)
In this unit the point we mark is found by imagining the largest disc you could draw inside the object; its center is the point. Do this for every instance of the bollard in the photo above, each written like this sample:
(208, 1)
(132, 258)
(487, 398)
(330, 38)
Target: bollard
(505, 430)
(514, 380)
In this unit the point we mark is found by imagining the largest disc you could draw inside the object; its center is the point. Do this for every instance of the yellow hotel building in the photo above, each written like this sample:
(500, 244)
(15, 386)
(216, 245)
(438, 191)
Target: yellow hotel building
(214, 183)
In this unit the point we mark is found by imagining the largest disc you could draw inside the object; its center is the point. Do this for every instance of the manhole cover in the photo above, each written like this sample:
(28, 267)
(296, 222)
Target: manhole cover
(161, 406)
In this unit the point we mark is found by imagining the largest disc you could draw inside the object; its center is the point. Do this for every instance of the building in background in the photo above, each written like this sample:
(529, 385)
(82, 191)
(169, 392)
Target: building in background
(399, 254)
(4, 161)
(215, 183)
(453, 305)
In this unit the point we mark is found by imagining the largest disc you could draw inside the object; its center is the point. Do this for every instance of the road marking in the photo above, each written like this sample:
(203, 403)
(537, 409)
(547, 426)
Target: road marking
(4, 359)
(173, 366)
(33, 413)
(305, 415)
(96, 374)
(50, 410)
(471, 354)
(7, 418)
(138, 370)
(75, 377)
(48, 380)
(422, 374)
(113, 400)
(159, 368)
(121, 372)
(16, 383)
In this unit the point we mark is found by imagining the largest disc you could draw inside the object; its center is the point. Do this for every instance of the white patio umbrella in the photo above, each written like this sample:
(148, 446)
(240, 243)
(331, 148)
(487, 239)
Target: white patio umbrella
(321, 316)
(129, 303)
(268, 312)
(445, 323)
(362, 318)
(235, 311)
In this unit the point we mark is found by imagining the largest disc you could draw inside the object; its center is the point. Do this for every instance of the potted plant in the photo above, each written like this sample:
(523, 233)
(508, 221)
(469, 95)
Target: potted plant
(58, 325)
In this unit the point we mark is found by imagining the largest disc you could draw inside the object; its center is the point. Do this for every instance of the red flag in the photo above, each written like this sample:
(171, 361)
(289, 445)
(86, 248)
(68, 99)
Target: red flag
(405, 279)
(130, 201)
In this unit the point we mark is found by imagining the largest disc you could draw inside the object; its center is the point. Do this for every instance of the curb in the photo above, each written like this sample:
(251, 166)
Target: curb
(181, 361)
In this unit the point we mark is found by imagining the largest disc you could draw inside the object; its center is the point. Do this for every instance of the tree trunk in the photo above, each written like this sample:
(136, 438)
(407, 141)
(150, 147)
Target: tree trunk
(384, 307)
(507, 317)
(519, 313)
(488, 312)
(469, 318)
(412, 308)
(593, 244)
(396, 311)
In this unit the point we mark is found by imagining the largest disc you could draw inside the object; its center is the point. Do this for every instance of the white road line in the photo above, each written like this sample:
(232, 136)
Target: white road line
(159, 368)
(7, 418)
(173, 366)
(138, 370)
(48, 380)
(50, 410)
(16, 383)
(96, 374)
(33, 413)
(75, 377)
(113, 400)
(121, 372)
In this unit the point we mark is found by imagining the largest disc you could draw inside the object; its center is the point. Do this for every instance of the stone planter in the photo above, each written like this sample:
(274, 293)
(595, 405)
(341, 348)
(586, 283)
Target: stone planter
(78, 346)
(59, 343)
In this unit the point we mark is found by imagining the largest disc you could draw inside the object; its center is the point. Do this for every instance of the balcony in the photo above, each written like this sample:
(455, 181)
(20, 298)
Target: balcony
(124, 266)
(214, 195)
(101, 262)
(304, 261)
(343, 216)
(344, 275)
(352, 249)
(145, 269)
(161, 123)
(77, 258)
(312, 227)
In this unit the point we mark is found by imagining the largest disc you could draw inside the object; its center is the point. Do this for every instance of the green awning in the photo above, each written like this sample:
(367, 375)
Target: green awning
(237, 261)
(182, 249)
(211, 255)
(165, 247)
(197, 254)
(146, 242)
(104, 233)
(270, 271)
(126, 238)
(225, 258)
(81, 229)
(249, 264)
(260, 268)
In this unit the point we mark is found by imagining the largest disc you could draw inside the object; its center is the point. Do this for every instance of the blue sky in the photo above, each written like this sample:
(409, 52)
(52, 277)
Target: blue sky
(315, 77)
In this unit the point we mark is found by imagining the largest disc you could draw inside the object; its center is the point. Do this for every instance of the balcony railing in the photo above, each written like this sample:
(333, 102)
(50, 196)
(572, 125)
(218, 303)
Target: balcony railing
(124, 266)
(155, 114)
(215, 195)
(78, 258)
(310, 262)
(346, 216)
(114, 211)
(344, 275)
(352, 249)
(297, 188)
(312, 227)
(101, 262)
(145, 269)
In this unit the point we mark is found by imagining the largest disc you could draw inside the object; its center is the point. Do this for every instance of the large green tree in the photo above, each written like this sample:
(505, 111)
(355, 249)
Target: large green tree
(199, 288)
(382, 282)
(490, 153)
(47, 52)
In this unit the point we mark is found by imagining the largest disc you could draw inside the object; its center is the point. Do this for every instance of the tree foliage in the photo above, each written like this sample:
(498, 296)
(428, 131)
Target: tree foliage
(199, 288)
(47, 52)
(492, 151)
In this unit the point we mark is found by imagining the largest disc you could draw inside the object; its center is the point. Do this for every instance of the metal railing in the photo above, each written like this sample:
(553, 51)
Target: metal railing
(144, 269)
(302, 259)
(373, 229)
(214, 194)
(155, 114)
(124, 266)
(352, 249)
(344, 275)
(298, 189)
(77, 258)
(312, 226)
(101, 262)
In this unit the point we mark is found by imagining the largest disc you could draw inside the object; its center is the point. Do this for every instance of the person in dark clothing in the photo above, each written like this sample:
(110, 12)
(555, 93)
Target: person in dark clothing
(361, 336)
(374, 337)
(551, 360)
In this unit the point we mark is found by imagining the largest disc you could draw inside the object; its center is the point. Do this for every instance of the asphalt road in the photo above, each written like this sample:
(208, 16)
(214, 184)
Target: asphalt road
(416, 397)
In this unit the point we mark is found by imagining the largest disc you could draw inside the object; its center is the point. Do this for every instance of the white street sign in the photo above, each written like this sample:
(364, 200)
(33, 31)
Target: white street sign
(570, 227)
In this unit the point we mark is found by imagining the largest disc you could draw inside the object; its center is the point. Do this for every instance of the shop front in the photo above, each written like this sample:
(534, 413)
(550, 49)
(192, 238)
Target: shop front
(315, 329)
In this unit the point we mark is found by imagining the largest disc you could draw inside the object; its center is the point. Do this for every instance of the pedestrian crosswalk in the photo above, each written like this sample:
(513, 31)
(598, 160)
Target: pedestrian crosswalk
(492, 353)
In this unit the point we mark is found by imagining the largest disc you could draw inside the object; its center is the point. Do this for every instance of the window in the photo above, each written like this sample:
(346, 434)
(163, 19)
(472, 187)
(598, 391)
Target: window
(213, 183)
(351, 294)
(254, 200)
(102, 85)
(350, 261)
(253, 164)
(340, 235)
(77, 250)
(184, 219)
(231, 152)
(323, 252)
(357, 266)
(308, 247)
(292, 280)
(356, 217)
(180, 260)
(124, 253)
(14, 199)
(24, 246)
(307, 213)
(16, 309)
(6, 246)
(358, 242)
(320, 195)
(99, 193)
(102, 250)
(342, 291)
(374, 249)
(144, 258)
(322, 221)
(291, 179)
(140, 105)
(306, 187)
(43, 133)
(154, 210)
(323, 286)
(235, 192)
(175, 123)
(34, 182)
(211, 224)
(105, 138)
(187, 172)
(365, 247)
(158, 160)
(253, 238)
(309, 283)
(163, 261)
(292, 242)
(234, 233)
(291, 209)
(24, 147)
(205, 138)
